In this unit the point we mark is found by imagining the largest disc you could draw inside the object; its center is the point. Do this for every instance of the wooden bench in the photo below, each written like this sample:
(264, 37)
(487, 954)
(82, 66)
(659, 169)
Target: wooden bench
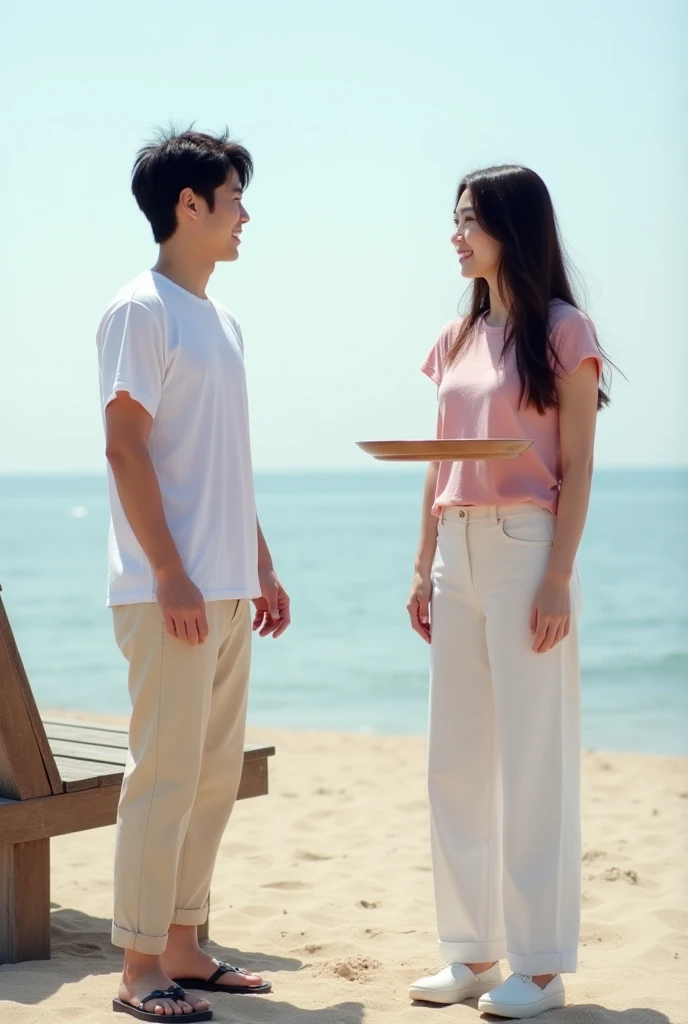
(56, 777)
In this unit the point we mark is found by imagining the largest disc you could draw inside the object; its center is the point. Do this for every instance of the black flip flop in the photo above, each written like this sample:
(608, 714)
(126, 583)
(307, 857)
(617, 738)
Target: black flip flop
(211, 985)
(173, 992)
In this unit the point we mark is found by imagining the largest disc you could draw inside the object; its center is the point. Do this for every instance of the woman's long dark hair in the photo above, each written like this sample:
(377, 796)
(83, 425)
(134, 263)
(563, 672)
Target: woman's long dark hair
(513, 206)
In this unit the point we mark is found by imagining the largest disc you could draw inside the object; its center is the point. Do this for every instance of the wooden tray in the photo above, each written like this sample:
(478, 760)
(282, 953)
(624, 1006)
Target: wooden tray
(445, 451)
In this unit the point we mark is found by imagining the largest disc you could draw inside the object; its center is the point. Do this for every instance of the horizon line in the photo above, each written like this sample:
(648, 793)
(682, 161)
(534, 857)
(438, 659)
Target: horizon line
(332, 471)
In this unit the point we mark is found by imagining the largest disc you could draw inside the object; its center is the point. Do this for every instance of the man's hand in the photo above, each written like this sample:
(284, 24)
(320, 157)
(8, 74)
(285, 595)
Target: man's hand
(182, 606)
(272, 608)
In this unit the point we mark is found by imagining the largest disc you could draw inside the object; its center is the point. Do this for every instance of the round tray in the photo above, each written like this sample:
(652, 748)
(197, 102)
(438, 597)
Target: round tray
(446, 450)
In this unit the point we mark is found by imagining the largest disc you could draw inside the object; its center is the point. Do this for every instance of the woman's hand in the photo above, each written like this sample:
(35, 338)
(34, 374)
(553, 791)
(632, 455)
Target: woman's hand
(550, 619)
(418, 605)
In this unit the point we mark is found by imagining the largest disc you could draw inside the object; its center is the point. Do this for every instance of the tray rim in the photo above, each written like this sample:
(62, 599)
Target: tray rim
(446, 449)
(447, 442)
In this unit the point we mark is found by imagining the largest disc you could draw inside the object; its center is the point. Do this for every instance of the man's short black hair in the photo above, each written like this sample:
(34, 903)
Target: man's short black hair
(179, 160)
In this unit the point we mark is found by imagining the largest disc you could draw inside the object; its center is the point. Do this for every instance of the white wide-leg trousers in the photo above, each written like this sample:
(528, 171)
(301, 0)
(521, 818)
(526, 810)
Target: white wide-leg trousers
(504, 748)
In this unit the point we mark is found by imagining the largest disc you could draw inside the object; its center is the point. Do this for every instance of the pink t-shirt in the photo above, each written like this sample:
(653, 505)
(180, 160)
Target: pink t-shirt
(479, 397)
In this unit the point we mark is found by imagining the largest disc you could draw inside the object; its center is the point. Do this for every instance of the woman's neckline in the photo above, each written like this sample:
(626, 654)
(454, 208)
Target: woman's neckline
(488, 327)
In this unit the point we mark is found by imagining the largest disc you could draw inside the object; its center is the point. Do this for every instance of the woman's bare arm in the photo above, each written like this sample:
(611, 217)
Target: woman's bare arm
(551, 614)
(418, 605)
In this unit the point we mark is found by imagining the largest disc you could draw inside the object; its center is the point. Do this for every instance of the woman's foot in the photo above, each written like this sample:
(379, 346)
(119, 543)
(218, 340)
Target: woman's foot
(185, 958)
(456, 983)
(144, 974)
(522, 997)
(543, 980)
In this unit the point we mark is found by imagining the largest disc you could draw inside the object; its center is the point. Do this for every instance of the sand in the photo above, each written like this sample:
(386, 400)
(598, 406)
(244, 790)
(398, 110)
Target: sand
(325, 886)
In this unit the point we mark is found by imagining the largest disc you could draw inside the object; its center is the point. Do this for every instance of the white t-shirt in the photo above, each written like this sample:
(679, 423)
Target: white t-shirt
(181, 357)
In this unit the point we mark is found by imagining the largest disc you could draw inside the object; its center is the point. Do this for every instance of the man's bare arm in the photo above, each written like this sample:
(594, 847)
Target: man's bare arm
(273, 607)
(127, 429)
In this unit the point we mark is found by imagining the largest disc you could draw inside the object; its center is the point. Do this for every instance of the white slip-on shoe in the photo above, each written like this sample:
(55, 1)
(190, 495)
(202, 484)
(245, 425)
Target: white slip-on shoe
(521, 998)
(455, 983)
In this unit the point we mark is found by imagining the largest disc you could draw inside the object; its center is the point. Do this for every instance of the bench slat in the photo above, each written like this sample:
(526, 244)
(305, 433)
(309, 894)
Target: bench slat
(117, 739)
(89, 752)
(77, 774)
(76, 728)
(81, 766)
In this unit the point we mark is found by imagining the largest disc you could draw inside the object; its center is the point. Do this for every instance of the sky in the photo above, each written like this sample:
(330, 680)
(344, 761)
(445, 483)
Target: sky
(361, 117)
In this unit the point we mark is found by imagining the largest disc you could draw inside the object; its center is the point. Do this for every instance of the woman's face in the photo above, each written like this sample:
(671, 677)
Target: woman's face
(478, 252)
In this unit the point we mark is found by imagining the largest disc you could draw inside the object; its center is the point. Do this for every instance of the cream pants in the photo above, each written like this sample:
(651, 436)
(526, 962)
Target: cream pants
(504, 748)
(186, 743)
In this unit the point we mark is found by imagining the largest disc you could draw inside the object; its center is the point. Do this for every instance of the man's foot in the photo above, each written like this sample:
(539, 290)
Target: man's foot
(191, 967)
(456, 983)
(522, 998)
(200, 966)
(138, 983)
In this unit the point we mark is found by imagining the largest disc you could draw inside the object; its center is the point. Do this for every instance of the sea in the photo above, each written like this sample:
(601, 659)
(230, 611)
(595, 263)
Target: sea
(343, 544)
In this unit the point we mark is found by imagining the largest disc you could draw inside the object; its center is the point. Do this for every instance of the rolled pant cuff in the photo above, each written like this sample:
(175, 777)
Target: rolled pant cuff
(472, 952)
(193, 916)
(153, 945)
(544, 963)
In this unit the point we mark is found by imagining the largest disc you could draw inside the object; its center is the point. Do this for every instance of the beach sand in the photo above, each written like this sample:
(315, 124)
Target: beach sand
(325, 885)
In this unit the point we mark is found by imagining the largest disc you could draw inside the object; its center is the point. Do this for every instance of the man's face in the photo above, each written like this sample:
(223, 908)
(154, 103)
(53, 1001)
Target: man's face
(219, 231)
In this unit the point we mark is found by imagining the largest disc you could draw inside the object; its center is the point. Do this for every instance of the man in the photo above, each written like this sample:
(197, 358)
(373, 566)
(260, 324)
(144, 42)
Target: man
(186, 556)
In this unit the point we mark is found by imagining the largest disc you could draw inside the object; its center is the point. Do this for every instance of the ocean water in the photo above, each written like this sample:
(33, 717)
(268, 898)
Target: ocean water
(344, 545)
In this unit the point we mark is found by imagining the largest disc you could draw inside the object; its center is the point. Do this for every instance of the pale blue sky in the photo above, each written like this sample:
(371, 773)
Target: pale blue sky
(361, 117)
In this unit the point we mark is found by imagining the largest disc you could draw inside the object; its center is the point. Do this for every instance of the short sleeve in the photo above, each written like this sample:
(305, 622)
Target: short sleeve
(433, 366)
(131, 356)
(240, 337)
(235, 326)
(574, 340)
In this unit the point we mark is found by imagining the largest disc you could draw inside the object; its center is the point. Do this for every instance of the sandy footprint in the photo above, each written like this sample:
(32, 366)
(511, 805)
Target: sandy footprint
(259, 910)
(287, 886)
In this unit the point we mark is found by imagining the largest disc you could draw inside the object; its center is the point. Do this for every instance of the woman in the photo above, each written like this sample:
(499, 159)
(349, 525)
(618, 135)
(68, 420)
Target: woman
(497, 595)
